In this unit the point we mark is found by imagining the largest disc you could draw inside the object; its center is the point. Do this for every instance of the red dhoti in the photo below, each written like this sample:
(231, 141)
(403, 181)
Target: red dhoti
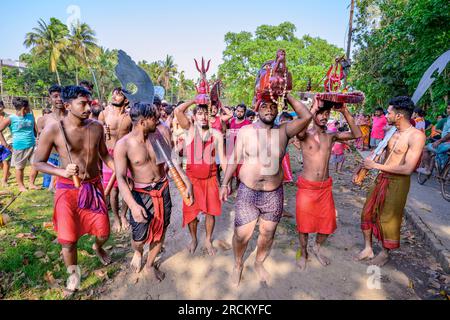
(201, 170)
(79, 211)
(107, 172)
(287, 172)
(315, 212)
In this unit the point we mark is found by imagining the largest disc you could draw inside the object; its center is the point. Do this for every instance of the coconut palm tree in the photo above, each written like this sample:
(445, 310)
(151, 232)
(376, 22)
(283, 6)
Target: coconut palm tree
(49, 40)
(104, 66)
(184, 86)
(168, 69)
(83, 46)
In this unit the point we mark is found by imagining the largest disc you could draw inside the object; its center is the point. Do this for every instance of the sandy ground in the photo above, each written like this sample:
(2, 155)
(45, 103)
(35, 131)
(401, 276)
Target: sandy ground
(200, 276)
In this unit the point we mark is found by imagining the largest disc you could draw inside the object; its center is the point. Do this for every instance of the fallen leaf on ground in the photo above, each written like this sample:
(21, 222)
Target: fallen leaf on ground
(26, 236)
(49, 278)
(39, 254)
(101, 273)
(47, 225)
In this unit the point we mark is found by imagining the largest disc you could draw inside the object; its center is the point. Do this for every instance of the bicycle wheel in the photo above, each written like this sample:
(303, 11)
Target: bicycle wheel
(422, 178)
(445, 183)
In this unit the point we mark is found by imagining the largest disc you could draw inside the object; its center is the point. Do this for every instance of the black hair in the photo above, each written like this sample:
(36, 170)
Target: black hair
(157, 101)
(327, 106)
(242, 106)
(87, 84)
(250, 113)
(403, 105)
(20, 103)
(420, 112)
(70, 93)
(380, 109)
(54, 88)
(203, 107)
(1, 103)
(96, 110)
(287, 116)
(142, 110)
(168, 109)
(180, 103)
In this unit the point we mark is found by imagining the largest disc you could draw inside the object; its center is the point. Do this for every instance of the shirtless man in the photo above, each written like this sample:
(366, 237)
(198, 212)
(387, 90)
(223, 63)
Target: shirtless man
(383, 211)
(117, 124)
(58, 111)
(315, 210)
(202, 145)
(76, 211)
(218, 120)
(235, 125)
(149, 198)
(260, 147)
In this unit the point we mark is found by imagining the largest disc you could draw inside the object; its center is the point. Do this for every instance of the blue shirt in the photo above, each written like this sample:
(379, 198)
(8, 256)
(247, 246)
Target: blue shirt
(22, 130)
(446, 128)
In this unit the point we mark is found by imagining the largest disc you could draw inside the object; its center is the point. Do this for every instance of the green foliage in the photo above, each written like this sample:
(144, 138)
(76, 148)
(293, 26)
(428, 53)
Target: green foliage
(60, 55)
(307, 58)
(397, 41)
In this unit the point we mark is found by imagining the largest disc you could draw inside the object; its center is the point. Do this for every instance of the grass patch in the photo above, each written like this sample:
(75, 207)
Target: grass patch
(33, 268)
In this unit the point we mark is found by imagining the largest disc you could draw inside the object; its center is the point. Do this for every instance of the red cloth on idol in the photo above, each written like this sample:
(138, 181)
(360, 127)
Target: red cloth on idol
(71, 222)
(315, 210)
(201, 170)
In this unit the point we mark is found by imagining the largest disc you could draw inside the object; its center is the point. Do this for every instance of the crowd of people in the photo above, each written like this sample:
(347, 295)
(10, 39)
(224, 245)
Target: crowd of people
(98, 157)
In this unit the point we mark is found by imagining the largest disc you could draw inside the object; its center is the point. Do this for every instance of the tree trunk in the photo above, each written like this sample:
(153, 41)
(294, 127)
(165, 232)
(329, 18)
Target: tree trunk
(57, 76)
(76, 76)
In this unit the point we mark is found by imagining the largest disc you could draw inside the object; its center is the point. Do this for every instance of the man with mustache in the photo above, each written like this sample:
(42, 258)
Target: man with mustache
(383, 211)
(77, 211)
(260, 148)
(117, 124)
(202, 144)
(236, 124)
(57, 113)
(315, 210)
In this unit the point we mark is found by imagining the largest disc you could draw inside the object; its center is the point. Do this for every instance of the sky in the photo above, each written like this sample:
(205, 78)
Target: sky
(149, 30)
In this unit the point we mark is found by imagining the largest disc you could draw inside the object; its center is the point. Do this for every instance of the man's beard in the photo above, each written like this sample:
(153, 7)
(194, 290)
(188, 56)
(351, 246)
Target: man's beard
(118, 105)
(268, 122)
(205, 127)
(240, 118)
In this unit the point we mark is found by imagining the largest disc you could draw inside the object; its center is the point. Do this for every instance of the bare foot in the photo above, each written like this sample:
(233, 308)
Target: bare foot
(125, 224)
(263, 275)
(193, 246)
(381, 259)
(301, 262)
(136, 262)
(209, 247)
(152, 273)
(322, 259)
(102, 255)
(23, 189)
(236, 275)
(35, 187)
(367, 253)
(116, 226)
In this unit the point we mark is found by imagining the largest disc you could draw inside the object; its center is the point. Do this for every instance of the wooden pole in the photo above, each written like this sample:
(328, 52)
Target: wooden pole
(350, 31)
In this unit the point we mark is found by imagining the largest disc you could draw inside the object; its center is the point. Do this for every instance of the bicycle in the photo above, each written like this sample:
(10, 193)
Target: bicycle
(443, 175)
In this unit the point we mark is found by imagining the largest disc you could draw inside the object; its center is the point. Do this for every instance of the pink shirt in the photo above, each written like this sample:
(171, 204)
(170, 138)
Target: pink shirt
(377, 127)
(338, 148)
